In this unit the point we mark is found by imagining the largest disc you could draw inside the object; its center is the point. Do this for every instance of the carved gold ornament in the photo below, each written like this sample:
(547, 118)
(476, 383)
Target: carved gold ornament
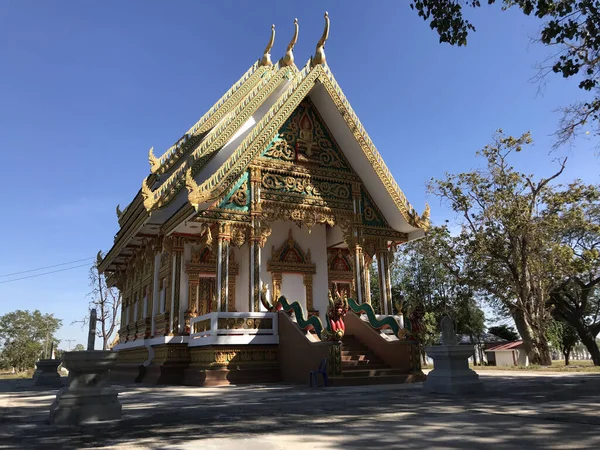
(305, 186)
(238, 236)
(153, 160)
(147, 195)
(370, 214)
(240, 197)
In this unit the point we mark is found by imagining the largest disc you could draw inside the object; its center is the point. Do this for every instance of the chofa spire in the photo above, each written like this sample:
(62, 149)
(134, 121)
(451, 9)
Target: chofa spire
(266, 59)
(319, 57)
(288, 59)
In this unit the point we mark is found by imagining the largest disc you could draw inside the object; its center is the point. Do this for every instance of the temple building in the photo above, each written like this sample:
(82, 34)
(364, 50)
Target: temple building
(276, 191)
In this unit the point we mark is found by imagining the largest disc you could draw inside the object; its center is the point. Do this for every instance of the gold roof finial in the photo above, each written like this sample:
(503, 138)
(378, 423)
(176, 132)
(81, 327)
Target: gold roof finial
(288, 59)
(153, 160)
(266, 59)
(147, 195)
(119, 212)
(319, 57)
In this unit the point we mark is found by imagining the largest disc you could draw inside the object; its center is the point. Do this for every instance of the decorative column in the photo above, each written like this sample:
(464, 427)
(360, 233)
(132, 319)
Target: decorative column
(178, 243)
(224, 238)
(385, 287)
(155, 290)
(193, 287)
(255, 240)
(356, 240)
(367, 275)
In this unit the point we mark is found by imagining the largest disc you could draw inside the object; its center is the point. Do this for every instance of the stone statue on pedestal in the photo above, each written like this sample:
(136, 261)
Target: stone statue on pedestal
(451, 373)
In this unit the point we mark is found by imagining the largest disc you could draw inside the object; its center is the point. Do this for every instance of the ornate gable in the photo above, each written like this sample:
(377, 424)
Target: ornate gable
(305, 139)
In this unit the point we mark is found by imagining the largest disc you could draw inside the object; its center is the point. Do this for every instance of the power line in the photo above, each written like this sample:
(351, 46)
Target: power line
(45, 273)
(42, 268)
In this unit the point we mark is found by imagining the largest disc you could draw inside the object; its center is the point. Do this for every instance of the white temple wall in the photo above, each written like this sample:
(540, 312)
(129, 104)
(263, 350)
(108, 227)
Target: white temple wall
(292, 286)
(242, 286)
(335, 236)
(316, 241)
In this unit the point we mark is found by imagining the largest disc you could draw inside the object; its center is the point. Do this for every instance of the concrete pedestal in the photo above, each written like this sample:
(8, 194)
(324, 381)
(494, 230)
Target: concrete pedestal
(46, 373)
(451, 373)
(88, 397)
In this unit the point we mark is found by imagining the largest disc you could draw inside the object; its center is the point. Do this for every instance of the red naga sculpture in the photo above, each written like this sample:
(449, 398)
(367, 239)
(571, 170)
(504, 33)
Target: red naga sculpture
(336, 311)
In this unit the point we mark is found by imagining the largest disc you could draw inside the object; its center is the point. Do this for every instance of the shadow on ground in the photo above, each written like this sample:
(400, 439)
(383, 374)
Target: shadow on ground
(523, 412)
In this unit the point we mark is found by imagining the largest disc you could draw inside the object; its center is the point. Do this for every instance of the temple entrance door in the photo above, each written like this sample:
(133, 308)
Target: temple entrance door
(207, 299)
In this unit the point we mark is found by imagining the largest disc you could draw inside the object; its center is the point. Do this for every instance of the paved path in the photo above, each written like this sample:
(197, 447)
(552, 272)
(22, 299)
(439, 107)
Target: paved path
(549, 410)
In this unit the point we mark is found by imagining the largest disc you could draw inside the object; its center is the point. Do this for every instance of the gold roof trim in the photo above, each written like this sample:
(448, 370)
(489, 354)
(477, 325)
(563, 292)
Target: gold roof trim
(262, 133)
(288, 59)
(343, 105)
(252, 76)
(218, 137)
(266, 59)
(265, 130)
(319, 57)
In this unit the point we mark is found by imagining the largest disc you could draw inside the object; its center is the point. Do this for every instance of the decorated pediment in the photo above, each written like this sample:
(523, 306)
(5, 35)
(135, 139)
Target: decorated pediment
(304, 139)
(339, 260)
(290, 258)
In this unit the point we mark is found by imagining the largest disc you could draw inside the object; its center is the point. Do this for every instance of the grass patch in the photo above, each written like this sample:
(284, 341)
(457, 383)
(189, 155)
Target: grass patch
(557, 366)
(16, 376)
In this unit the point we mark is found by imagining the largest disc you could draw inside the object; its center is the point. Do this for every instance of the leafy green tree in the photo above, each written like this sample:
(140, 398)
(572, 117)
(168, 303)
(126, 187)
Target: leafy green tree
(429, 274)
(79, 348)
(504, 332)
(577, 299)
(27, 336)
(563, 337)
(570, 27)
(508, 237)
(374, 286)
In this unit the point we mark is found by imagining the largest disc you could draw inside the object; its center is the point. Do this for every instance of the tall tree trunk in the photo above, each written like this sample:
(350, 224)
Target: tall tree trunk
(534, 342)
(566, 353)
(589, 341)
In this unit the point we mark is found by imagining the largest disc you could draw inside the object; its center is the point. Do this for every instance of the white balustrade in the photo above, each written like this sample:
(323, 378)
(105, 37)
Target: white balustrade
(234, 328)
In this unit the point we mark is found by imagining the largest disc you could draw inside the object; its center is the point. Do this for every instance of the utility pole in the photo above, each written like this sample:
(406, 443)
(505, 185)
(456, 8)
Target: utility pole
(69, 342)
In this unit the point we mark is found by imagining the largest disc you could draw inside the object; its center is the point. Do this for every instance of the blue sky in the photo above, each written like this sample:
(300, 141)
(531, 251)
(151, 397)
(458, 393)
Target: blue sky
(86, 88)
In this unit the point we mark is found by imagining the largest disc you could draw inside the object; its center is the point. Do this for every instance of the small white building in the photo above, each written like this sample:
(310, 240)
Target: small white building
(510, 354)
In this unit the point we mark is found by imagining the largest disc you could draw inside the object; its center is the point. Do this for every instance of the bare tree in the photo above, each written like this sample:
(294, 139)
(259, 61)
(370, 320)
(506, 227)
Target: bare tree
(106, 300)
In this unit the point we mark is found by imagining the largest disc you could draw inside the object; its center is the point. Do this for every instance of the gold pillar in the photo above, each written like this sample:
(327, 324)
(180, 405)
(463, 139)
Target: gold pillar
(308, 284)
(277, 279)
(224, 238)
(367, 275)
(255, 239)
(385, 287)
(178, 243)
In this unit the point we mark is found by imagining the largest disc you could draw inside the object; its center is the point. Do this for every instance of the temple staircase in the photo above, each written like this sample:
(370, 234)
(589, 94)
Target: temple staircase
(361, 366)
